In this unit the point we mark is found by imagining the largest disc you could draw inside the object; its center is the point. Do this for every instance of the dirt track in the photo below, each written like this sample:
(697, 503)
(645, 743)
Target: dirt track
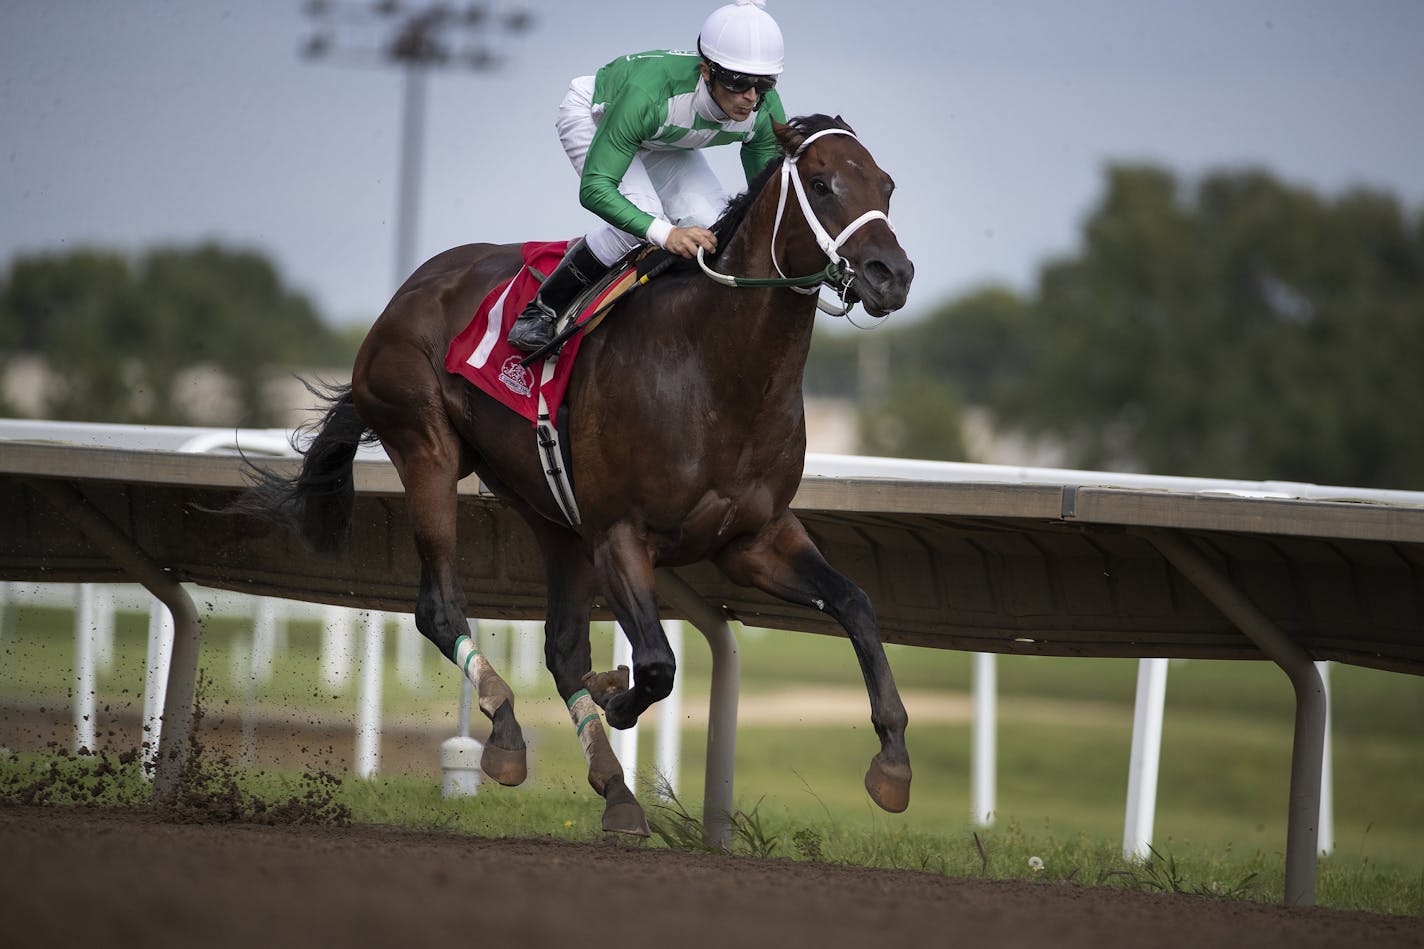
(91, 878)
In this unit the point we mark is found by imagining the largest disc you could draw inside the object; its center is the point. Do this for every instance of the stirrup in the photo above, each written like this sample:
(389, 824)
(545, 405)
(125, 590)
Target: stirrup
(534, 328)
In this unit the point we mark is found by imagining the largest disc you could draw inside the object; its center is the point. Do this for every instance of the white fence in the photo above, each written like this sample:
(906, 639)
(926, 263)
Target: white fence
(518, 653)
(352, 649)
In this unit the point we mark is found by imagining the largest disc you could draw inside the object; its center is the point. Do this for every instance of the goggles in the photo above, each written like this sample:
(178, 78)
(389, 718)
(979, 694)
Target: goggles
(737, 82)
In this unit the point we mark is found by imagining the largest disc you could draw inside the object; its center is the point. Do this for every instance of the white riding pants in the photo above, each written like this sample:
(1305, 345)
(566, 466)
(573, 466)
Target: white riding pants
(673, 185)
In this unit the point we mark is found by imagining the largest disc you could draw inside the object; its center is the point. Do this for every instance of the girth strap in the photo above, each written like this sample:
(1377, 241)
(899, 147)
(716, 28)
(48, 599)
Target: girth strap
(551, 455)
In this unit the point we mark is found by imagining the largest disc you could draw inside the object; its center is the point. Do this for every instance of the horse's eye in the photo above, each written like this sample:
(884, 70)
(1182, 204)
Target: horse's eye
(819, 186)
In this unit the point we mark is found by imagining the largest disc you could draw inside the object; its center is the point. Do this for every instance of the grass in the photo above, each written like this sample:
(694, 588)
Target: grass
(1064, 731)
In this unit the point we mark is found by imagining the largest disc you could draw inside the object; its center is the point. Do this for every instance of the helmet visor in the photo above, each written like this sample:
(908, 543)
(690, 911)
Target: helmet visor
(738, 82)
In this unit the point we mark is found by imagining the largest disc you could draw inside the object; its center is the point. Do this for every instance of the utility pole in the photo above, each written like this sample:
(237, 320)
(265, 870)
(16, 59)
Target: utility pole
(416, 37)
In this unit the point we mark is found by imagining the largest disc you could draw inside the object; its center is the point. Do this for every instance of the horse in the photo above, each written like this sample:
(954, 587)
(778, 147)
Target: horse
(687, 442)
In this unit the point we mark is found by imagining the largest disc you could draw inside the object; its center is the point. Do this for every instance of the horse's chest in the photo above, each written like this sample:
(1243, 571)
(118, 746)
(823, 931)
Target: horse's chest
(749, 484)
(718, 517)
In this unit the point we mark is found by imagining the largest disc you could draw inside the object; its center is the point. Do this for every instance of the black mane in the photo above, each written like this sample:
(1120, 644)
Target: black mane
(737, 207)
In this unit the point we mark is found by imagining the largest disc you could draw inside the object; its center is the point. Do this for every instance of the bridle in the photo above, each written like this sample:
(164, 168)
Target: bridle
(839, 275)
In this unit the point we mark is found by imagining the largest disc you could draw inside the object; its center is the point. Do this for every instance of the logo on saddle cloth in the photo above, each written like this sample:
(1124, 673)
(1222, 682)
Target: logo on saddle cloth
(516, 378)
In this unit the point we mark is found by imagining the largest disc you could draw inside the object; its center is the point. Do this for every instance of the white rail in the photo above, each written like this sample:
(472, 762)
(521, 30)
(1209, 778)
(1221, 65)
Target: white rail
(1137, 825)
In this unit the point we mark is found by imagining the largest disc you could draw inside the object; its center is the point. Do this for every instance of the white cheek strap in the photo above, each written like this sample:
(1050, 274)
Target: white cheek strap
(830, 246)
(838, 274)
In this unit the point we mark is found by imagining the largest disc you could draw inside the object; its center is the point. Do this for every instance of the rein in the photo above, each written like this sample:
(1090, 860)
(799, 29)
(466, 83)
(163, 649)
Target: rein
(838, 274)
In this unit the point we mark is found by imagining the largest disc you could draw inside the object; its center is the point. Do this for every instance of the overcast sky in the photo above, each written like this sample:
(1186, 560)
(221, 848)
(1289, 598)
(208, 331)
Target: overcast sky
(133, 123)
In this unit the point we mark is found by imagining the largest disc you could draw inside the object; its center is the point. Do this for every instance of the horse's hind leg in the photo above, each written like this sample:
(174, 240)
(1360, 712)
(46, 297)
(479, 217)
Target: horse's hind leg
(566, 651)
(783, 561)
(430, 477)
(505, 757)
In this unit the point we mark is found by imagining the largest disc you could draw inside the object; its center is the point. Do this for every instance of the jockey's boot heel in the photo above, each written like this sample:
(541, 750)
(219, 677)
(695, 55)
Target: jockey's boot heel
(535, 327)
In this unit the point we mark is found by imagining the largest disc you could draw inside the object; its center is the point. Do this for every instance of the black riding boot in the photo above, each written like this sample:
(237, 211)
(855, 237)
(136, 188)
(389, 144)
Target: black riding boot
(535, 327)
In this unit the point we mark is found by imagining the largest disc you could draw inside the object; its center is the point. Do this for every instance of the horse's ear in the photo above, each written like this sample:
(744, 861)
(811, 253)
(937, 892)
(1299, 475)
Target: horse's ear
(789, 136)
(844, 124)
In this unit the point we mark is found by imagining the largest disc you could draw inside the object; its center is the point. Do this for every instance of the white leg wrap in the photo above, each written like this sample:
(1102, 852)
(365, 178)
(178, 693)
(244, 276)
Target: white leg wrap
(479, 671)
(586, 721)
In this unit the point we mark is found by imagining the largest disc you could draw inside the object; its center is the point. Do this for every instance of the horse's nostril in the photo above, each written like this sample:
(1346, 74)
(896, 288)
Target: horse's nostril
(877, 274)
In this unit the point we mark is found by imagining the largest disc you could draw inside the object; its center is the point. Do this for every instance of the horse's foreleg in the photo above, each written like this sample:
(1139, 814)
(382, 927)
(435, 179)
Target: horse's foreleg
(784, 562)
(621, 811)
(625, 573)
(566, 652)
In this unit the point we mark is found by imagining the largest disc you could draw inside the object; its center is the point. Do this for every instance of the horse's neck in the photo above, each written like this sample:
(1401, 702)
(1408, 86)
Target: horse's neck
(782, 318)
(764, 331)
(749, 252)
(748, 344)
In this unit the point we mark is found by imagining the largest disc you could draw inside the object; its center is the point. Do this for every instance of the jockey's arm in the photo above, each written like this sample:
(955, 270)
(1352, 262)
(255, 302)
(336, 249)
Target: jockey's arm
(762, 148)
(598, 192)
(620, 134)
(626, 124)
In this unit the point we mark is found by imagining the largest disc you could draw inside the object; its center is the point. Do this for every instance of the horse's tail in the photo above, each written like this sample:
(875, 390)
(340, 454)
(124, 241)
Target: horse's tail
(316, 504)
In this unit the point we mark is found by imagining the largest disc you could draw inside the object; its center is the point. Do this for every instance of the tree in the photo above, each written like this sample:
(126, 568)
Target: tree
(1241, 328)
(832, 366)
(918, 417)
(228, 309)
(80, 310)
(965, 351)
(977, 343)
(119, 331)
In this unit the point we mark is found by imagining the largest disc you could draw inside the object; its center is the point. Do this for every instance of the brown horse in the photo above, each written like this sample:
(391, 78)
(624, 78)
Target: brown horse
(687, 436)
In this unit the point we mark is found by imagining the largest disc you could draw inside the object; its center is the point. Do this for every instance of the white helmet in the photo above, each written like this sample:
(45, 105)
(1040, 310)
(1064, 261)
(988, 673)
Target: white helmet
(742, 37)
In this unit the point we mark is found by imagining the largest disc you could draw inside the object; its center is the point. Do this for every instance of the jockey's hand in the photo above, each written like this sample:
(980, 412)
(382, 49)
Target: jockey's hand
(684, 241)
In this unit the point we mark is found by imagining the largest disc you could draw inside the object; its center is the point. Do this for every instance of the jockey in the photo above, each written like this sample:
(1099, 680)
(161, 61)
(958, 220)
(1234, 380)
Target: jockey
(632, 133)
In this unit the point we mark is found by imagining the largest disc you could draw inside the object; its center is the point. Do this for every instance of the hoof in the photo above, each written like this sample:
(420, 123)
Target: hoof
(625, 818)
(602, 686)
(619, 720)
(889, 785)
(507, 766)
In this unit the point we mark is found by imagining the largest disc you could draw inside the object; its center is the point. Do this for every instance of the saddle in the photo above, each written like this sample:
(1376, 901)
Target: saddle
(636, 268)
(534, 385)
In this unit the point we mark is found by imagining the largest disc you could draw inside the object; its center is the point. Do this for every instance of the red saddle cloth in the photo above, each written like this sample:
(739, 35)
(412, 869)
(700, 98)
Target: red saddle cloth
(480, 354)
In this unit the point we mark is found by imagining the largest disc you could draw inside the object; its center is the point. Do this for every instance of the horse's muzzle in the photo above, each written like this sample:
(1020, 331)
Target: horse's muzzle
(883, 283)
